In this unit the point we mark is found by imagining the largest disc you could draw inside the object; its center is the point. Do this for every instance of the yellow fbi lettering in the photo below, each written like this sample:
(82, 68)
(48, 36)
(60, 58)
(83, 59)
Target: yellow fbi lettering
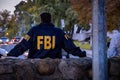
(47, 41)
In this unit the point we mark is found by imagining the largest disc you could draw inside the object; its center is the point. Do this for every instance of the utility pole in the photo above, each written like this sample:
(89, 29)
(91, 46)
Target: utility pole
(100, 71)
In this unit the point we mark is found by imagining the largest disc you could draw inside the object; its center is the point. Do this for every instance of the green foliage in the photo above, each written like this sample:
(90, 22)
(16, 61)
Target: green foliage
(4, 15)
(12, 27)
(72, 11)
(60, 9)
(8, 24)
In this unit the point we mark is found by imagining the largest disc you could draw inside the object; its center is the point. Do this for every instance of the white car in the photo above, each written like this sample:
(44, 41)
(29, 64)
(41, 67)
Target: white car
(4, 40)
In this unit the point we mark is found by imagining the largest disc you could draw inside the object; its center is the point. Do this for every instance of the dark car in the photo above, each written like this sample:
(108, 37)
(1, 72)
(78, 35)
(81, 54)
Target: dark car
(4, 40)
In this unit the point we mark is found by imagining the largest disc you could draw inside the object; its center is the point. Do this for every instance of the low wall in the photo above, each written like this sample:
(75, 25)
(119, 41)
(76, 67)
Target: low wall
(54, 69)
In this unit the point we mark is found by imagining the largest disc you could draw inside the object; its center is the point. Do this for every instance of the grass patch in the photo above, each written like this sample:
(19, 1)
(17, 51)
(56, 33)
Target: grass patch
(86, 45)
(83, 45)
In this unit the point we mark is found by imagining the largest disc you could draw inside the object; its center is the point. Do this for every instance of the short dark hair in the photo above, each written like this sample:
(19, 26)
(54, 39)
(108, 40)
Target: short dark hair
(45, 17)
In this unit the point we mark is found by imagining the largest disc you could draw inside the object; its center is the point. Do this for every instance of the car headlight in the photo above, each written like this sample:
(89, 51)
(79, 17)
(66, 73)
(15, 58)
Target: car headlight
(7, 40)
(0, 40)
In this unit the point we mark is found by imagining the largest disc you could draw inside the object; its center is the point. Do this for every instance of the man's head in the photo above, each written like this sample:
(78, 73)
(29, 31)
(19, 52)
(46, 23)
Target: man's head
(45, 17)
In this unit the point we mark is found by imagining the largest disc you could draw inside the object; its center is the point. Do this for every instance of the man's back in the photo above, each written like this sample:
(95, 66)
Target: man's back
(46, 40)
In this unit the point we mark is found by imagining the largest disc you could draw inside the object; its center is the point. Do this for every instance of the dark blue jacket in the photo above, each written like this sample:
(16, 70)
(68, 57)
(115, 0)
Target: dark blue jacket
(45, 40)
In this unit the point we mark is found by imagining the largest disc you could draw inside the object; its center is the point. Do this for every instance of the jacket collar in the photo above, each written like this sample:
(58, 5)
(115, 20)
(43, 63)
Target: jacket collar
(46, 25)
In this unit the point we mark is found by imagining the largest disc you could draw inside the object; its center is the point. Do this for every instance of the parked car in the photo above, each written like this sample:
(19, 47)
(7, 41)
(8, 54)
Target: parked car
(4, 40)
(16, 39)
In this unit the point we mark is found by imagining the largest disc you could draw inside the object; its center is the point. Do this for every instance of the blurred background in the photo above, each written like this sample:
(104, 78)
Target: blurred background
(73, 16)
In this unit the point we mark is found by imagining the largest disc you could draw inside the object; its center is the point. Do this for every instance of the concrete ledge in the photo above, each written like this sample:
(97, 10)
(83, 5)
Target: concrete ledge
(54, 69)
